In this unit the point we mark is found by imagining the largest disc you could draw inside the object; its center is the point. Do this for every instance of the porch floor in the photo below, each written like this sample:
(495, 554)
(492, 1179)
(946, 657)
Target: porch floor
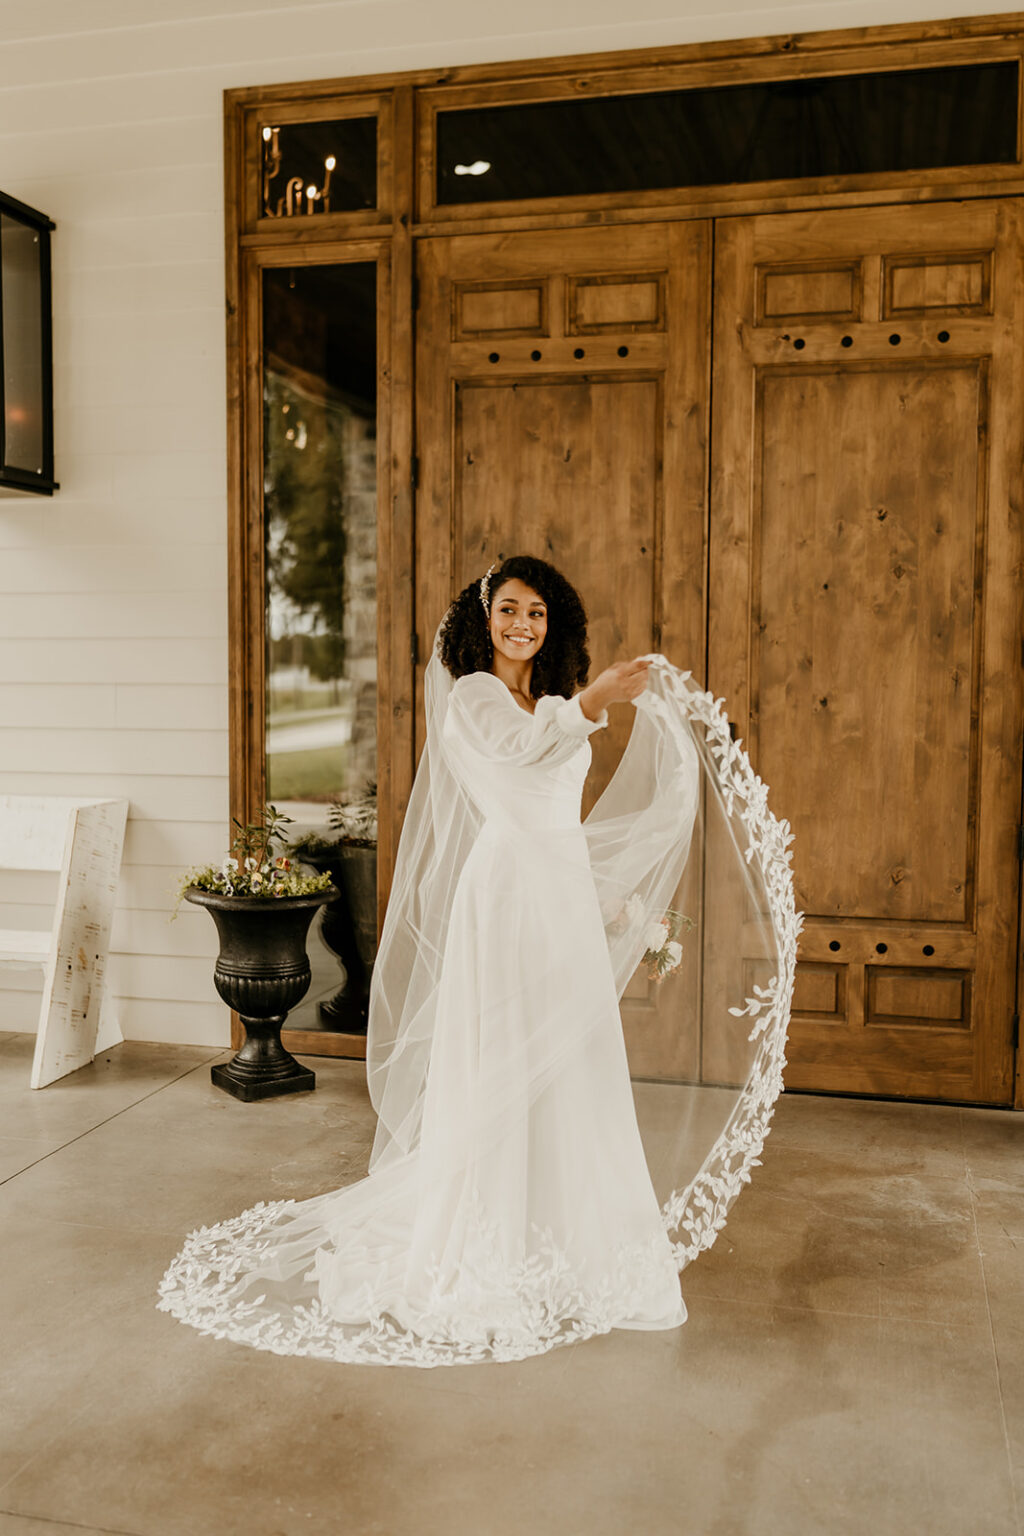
(853, 1360)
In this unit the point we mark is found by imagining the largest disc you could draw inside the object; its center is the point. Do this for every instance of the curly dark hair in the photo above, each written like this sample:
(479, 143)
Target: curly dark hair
(563, 661)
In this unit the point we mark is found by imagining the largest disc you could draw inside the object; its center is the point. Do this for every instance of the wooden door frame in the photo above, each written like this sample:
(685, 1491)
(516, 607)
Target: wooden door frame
(407, 104)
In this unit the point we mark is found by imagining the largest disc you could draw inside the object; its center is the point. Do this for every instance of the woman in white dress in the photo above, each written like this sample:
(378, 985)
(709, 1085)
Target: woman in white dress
(509, 1206)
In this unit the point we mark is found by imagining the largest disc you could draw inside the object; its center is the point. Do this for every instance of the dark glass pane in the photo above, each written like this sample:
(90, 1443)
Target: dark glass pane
(23, 393)
(772, 130)
(320, 511)
(311, 168)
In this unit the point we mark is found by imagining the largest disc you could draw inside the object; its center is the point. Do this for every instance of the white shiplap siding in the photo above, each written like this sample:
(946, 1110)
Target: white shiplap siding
(113, 634)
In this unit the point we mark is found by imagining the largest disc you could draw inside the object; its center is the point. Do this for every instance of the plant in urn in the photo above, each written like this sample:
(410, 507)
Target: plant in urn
(262, 908)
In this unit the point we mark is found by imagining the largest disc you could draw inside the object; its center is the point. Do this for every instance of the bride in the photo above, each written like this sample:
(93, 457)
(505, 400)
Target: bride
(509, 1206)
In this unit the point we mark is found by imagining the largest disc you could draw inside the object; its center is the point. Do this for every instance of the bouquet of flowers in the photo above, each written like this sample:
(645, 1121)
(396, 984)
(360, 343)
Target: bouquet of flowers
(663, 953)
(251, 867)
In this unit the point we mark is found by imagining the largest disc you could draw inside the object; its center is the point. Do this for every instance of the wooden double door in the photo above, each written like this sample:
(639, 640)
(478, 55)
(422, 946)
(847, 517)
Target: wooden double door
(786, 451)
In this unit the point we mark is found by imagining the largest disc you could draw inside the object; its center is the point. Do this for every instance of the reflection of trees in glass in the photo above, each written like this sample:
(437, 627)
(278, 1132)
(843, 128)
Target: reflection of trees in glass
(320, 517)
(304, 502)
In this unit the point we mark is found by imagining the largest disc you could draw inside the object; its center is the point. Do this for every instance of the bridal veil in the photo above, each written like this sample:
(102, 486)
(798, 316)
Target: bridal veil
(564, 919)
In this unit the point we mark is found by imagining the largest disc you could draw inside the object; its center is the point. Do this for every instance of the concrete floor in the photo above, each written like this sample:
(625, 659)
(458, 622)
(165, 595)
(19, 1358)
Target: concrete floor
(853, 1362)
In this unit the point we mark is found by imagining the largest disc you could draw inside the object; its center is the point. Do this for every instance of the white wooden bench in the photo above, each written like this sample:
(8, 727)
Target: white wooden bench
(83, 840)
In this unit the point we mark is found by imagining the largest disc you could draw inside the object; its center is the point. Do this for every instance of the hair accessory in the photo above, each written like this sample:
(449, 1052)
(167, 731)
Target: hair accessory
(485, 587)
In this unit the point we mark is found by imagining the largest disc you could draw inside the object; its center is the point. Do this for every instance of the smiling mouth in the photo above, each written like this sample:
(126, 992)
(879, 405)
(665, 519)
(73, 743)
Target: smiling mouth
(520, 639)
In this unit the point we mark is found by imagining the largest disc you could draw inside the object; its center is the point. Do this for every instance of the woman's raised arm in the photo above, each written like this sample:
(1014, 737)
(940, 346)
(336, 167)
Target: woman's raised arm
(620, 683)
(483, 715)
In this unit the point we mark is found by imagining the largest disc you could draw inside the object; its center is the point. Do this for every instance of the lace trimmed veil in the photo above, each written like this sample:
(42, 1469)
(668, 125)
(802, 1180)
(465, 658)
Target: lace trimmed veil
(683, 827)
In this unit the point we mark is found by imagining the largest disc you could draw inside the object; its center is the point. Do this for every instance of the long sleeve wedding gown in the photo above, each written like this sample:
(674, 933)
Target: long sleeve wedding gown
(509, 1207)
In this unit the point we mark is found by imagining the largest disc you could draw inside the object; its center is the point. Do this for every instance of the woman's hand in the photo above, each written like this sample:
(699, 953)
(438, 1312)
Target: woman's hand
(617, 684)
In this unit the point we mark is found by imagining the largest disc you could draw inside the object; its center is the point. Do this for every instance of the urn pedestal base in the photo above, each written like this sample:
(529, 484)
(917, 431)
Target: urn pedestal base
(302, 1080)
(262, 1069)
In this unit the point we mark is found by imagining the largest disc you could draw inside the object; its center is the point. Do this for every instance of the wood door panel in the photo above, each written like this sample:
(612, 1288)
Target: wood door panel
(942, 285)
(809, 291)
(497, 310)
(820, 990)
(864, 620)
(562, 412)
(866, 632)
(579, 442)
(624, 302)
(916, 995)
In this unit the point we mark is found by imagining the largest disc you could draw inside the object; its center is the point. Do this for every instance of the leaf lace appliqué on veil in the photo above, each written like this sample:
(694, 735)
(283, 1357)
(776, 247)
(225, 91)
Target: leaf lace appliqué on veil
(541, 1301)
(257, 1278)
(701, 1210)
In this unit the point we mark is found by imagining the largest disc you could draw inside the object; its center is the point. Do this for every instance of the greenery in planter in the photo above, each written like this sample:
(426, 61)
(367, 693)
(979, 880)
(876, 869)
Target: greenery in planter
(355, 819)
(353, 824)
(251, 868)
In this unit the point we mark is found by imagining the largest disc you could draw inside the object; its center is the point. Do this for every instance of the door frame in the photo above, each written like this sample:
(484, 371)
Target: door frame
(407, 104)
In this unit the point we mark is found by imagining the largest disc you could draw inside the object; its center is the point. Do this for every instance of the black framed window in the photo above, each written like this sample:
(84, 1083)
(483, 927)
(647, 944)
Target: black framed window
(769, 130)
(26, 350)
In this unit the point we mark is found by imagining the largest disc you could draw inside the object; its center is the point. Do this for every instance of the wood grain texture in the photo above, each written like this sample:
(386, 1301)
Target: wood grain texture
(867, 616)
(587, 450)
(396, 617)
(865, 627)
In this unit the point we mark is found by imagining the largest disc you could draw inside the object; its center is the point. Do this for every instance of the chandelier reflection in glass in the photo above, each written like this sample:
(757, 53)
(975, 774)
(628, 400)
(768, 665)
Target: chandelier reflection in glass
(295, 191)
(318, 168)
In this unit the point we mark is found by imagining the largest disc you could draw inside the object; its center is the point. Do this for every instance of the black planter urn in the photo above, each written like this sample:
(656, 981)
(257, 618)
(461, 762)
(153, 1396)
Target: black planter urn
(262, 971)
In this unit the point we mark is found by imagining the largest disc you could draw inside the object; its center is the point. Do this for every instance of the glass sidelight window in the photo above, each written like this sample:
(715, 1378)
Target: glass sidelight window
(768, 130)
(320, 519)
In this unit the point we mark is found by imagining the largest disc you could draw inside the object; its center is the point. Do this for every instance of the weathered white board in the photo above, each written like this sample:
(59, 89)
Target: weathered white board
(83, 840)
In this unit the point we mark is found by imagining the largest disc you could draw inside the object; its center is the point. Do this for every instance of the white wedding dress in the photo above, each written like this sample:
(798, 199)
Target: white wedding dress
(509, 1207)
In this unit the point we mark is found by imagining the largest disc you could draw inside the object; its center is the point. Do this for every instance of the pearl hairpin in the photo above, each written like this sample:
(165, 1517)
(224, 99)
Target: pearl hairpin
(485, 588)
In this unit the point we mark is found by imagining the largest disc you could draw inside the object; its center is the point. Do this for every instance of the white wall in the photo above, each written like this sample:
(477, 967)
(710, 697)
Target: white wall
(113, 630)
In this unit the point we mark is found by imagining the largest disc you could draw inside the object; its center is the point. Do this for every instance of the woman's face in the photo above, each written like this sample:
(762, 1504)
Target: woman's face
(519, 620)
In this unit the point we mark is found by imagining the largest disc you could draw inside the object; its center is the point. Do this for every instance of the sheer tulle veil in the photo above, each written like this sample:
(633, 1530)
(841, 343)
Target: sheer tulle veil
(684, 826)
(509, 1208)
